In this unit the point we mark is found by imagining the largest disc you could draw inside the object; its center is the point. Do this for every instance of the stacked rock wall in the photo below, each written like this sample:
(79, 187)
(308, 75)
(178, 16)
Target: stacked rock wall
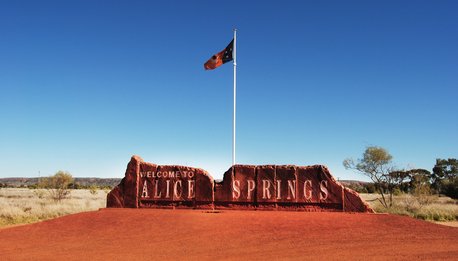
(274, 187)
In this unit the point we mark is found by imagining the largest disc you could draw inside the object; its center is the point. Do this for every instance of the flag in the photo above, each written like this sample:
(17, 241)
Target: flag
(220, 58)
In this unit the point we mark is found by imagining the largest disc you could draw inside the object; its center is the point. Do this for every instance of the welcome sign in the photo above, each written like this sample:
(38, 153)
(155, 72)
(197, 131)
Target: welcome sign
(281, 187)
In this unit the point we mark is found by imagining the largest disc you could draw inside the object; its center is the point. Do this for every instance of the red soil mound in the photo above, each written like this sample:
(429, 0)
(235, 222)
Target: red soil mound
(158, 234)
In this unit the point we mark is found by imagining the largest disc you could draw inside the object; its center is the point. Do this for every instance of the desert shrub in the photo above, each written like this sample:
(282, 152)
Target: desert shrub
(39, 193)
(436, 215)
(370, 187)
(423, 195)
(424, 207)
(356, 187)
(23, 206)
(410, 203)
(450, 188)
(361, 189)
(93, 189)
(397, 191)
(73, 185)
(57, 185)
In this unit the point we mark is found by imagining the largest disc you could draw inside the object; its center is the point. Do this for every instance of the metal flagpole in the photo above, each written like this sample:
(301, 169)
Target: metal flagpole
(234, 54)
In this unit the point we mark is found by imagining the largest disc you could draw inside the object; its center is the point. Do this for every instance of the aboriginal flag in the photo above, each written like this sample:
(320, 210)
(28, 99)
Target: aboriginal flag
(220, 58)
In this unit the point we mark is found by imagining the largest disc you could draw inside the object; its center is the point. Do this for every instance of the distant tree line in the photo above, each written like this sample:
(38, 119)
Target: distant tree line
(77, 183)
(367, 187)
(60, 184)
(376, 163)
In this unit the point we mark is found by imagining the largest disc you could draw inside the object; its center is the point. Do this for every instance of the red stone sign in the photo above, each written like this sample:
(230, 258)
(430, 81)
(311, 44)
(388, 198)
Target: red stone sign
(284, 187)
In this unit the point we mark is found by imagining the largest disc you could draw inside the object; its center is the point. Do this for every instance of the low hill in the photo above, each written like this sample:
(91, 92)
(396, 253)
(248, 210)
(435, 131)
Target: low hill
(353, 182)
(79, 182)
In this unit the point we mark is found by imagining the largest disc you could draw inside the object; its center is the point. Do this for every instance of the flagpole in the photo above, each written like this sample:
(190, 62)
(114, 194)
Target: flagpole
(234, 54)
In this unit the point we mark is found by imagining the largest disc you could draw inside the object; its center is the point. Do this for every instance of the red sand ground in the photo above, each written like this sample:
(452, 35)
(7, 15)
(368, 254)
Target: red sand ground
(155, 234)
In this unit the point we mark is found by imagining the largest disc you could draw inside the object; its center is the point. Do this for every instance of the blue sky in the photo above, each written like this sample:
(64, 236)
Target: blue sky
(87, 84)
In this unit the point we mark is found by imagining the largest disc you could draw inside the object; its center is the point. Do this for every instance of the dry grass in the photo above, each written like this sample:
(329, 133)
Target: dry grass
(22, 205)
(431, 208)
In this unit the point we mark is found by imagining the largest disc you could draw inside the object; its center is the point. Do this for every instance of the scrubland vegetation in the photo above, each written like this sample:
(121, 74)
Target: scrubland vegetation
(22, 205)
(51, 197)
(418, 193)
(431, 207)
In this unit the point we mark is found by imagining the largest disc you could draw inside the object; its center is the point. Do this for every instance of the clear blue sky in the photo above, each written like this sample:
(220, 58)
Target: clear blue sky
(87, 84)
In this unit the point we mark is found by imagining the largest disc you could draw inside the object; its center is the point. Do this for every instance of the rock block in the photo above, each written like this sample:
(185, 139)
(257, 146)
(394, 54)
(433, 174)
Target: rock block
(223, 189)
(203, 188)
(115, 198)
(265, 182)
(286, 184)
(130, 183)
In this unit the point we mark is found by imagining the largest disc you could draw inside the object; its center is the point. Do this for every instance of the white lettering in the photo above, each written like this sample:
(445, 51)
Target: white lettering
(292, 189)
(323, 190)
(278, 189)
(251, 186)
(265, 189)
(167, 191)
(156, 188)
(235, 189)
(145, 190)
(167, 174)
(308, 196)
(191, 193)
(175, 189)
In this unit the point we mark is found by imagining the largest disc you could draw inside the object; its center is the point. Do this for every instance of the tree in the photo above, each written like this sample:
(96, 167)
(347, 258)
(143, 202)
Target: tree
(412, 181)
(401, 179)
(445, 177)
(376, 164)
(57, 185)
(419, 180)
(420, 186)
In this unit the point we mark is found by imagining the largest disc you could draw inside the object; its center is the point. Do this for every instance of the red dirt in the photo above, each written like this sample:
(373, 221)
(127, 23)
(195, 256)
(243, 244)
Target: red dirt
(158, 234)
